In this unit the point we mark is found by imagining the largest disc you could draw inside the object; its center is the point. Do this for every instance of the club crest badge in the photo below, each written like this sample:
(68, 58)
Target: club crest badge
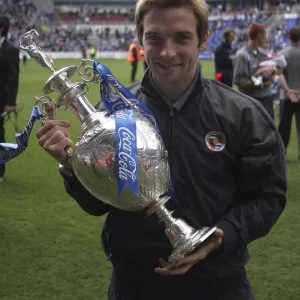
(215, 141)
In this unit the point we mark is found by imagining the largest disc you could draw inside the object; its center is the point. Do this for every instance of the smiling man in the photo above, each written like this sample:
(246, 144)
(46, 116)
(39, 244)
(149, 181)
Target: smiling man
(227, 167)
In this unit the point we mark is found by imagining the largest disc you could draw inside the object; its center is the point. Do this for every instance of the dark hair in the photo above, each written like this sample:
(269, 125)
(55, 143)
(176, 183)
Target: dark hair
(294, 34)
(255, 29)
(226, 33)
(4, 23)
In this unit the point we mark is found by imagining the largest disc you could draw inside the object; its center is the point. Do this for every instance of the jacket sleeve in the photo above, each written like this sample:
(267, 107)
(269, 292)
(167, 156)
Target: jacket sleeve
(86, 201)
(12, 84)
(261, 181)
(240, 71)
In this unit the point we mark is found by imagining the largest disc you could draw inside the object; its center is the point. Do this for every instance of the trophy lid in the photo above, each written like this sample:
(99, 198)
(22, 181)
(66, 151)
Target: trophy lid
(59, 80)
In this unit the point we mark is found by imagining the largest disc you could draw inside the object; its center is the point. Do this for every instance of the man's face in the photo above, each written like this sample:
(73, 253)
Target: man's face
(231, 37)
(171, 43)
(261, 39)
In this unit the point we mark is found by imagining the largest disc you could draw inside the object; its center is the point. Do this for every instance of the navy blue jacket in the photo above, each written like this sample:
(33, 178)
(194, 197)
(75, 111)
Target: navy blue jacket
(242, 188)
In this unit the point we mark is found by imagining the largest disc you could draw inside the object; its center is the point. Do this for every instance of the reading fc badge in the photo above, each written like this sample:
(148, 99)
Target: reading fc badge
(215, 141)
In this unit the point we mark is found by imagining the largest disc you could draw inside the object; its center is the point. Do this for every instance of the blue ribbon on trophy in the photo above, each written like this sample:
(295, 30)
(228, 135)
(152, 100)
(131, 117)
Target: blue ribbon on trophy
(13, 150)
(126, 141)
(118, 102)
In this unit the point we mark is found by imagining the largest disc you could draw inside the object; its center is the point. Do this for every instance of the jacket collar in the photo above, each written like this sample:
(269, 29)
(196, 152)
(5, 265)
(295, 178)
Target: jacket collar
(149, 90)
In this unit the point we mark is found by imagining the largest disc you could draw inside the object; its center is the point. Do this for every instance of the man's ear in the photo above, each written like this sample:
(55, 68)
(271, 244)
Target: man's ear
(203, 44)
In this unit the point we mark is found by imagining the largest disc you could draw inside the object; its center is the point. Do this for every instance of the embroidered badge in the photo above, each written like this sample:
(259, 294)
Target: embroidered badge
(215, 141)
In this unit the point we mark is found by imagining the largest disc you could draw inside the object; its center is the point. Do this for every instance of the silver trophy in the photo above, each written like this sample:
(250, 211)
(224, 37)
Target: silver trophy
(93, 158)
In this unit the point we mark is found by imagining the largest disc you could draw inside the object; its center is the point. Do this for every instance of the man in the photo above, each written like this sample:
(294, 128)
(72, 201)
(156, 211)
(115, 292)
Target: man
(133, 58)
(92, 52)
(224, 56)
(24, 57)
(227, 168)
(9, 78)
(290, 82)
(247, 63)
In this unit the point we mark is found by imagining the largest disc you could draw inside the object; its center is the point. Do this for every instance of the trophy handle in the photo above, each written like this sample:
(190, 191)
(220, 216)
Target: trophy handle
(84, 70)
(87, 73)
(48, 108)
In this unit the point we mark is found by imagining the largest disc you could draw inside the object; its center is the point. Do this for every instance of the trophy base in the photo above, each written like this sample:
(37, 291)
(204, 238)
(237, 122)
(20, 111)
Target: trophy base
(189, 245)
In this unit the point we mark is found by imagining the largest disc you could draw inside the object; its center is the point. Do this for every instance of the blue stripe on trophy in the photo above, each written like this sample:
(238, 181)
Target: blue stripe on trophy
(117, 104)
(126, 150)
(125, 134)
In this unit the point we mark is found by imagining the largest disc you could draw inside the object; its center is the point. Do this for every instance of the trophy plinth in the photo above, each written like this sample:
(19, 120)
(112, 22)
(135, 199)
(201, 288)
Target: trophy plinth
(183, 238)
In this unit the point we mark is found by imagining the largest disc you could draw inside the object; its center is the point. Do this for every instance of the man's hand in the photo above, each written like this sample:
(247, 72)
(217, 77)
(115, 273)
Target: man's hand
(266, 72)
(293, 96)
(269, 81)
(9, 108)
(213, 243)
(54, 137)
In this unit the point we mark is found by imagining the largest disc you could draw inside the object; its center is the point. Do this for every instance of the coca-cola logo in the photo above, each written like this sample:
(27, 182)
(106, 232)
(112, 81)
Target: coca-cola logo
(126, 161)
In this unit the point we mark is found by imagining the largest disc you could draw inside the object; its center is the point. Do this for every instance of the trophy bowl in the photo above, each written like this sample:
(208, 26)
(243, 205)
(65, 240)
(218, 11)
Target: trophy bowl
(94, 162)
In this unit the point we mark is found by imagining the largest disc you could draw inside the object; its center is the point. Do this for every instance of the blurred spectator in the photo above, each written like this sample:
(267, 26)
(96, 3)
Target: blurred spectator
(63, 30)
(290, 82)
(9, 78)
(247, 65)
(224, 55)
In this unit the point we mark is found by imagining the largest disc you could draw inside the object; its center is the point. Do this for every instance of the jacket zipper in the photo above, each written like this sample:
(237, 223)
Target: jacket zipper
(172, 115)
(170, 150)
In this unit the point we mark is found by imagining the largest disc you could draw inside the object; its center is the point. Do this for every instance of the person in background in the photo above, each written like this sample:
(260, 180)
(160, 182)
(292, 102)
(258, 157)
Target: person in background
(224, 56)
(133, 58)
(290, 82)
(247, 63)
(9, 78)
(24, 57)
(92, 52)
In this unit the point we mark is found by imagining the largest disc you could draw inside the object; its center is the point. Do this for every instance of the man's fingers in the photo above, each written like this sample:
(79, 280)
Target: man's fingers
(47, 137)
(202, 252)
(58, 150)
(176, 271)
(293, 97)
(212, 243)
(53, 139)
(50, 124)
(185, 263)
(219, 232)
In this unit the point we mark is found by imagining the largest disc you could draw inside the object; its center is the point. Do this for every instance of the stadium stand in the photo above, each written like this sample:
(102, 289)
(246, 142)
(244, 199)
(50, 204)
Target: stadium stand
(73, 26)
